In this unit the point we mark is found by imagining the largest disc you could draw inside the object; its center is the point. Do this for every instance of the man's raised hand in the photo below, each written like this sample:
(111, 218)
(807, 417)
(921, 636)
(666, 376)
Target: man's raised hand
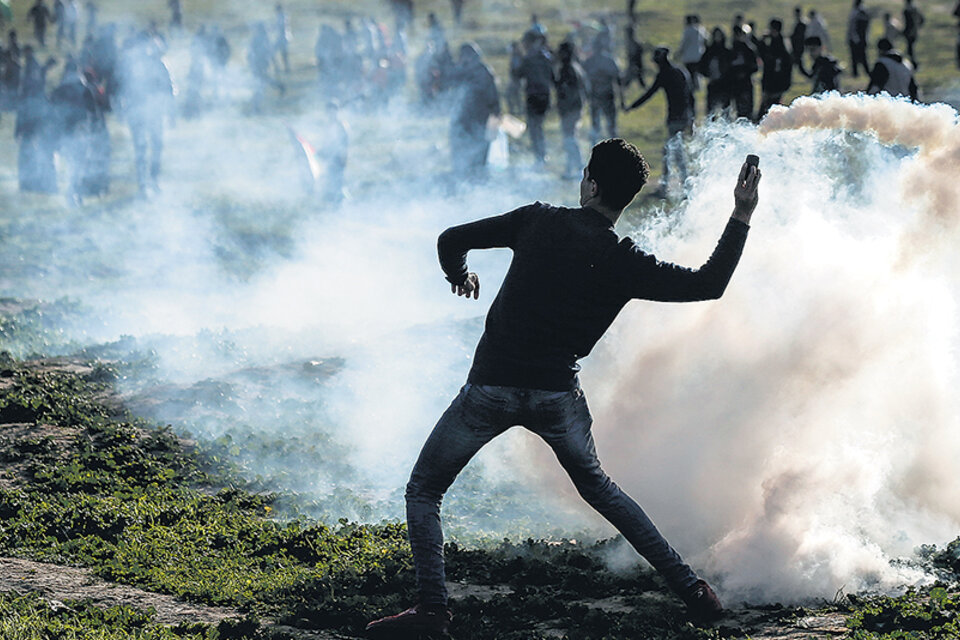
(470, 286)
(745, 194)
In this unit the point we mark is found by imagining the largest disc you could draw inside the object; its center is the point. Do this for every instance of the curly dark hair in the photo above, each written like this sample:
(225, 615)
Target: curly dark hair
(620, 171)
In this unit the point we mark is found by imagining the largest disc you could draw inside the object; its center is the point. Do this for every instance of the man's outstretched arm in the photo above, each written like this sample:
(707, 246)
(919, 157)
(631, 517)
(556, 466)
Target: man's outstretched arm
(488, 233)
(649, 279)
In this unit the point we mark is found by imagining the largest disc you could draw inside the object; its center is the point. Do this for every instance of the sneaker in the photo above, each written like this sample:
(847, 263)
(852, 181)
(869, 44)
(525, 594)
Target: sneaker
(415, 620)
(703, 603)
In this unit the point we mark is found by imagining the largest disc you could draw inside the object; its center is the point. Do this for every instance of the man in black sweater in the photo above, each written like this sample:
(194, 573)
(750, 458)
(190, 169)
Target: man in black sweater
(570, 276)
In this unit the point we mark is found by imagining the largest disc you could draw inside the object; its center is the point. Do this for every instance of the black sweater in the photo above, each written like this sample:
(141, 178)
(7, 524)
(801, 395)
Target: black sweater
(570, 276)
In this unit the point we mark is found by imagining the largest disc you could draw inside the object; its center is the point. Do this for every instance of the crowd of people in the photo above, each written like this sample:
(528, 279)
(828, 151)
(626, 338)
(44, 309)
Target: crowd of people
(366, 62)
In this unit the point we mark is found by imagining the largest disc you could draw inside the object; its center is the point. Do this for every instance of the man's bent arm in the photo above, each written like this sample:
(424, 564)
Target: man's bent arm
(650, 279)
(488, 233)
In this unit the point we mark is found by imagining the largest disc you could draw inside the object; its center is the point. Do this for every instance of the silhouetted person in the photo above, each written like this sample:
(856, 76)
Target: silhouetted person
(777, 67)
(675, 82)
(146, 97)
(692, 47)
(858, 24)
(457, 7)
(569, 277)
(40, 16)
(635, 66)
(176, 14)
(573, 89)
(912, 21)
(715, 67)
(514, 85)
(891, 74)
(478, 101)
(34, 128)
(825, 70)
(606, 93)
(743, 64)
(259, 58)
(283, 35)
(798, 35)
(73, 107)
(536, 71)
(10, 69)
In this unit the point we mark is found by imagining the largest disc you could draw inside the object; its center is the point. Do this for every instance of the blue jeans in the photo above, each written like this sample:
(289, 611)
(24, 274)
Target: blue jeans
(479, 414)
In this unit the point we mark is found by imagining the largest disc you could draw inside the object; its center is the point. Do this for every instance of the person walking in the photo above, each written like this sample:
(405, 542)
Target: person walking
(715, 67)
(536, 72)
(858, 23)
(798, 35)
(570, 276)
(912, 21)
(606, 91)
(777, 67)
(572, 88)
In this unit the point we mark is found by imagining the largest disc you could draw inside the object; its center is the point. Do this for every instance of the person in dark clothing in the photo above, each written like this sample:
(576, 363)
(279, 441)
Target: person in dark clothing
(573, 89)
(536, 71)
(777, 67)
(606, 92)
(33, 129)
(40, 16)
(857, 26)
(826, 70)
(675, 82)
(571, 274)
(635, 67)
(715, 67)
(10, 69)
(146, 96)
(912, 21)
(891, 74)
(743, 64)
(514, 103)
(798, 36)
(73, 108)
(479, 100)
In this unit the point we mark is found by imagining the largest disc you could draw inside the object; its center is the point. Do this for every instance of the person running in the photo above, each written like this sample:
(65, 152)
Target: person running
(675, 82)
(912, 21)
(777, 67)
(857, 26)
(891, 74)
(570, 276)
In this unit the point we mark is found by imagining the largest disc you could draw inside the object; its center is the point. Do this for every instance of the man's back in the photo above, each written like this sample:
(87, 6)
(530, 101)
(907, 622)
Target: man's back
(570, 277)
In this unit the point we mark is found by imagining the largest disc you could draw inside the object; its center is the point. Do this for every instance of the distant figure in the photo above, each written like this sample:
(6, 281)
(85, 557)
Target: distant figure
(33, 128)
(825, 71)
(635, 66)
(817, 28)
(573, 89)
(743, 64)
(892, 29)
(536, 71)
(457, 7)
(478, 101)
(146, 98)
(91, 9)
(715, 67)
(692, 47)
(332, 149)
(858, 23)
(777, 67)
(40, 16)
(73, 107)
(514, 101)
(435, 31)
(71, 18)
(10, 69)
(891, 74)
(59, 9)
(675, 82)
(606, 92)
(798, 36)
(176, 14)
(912, 21)
(259, 58)
(282, 44)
